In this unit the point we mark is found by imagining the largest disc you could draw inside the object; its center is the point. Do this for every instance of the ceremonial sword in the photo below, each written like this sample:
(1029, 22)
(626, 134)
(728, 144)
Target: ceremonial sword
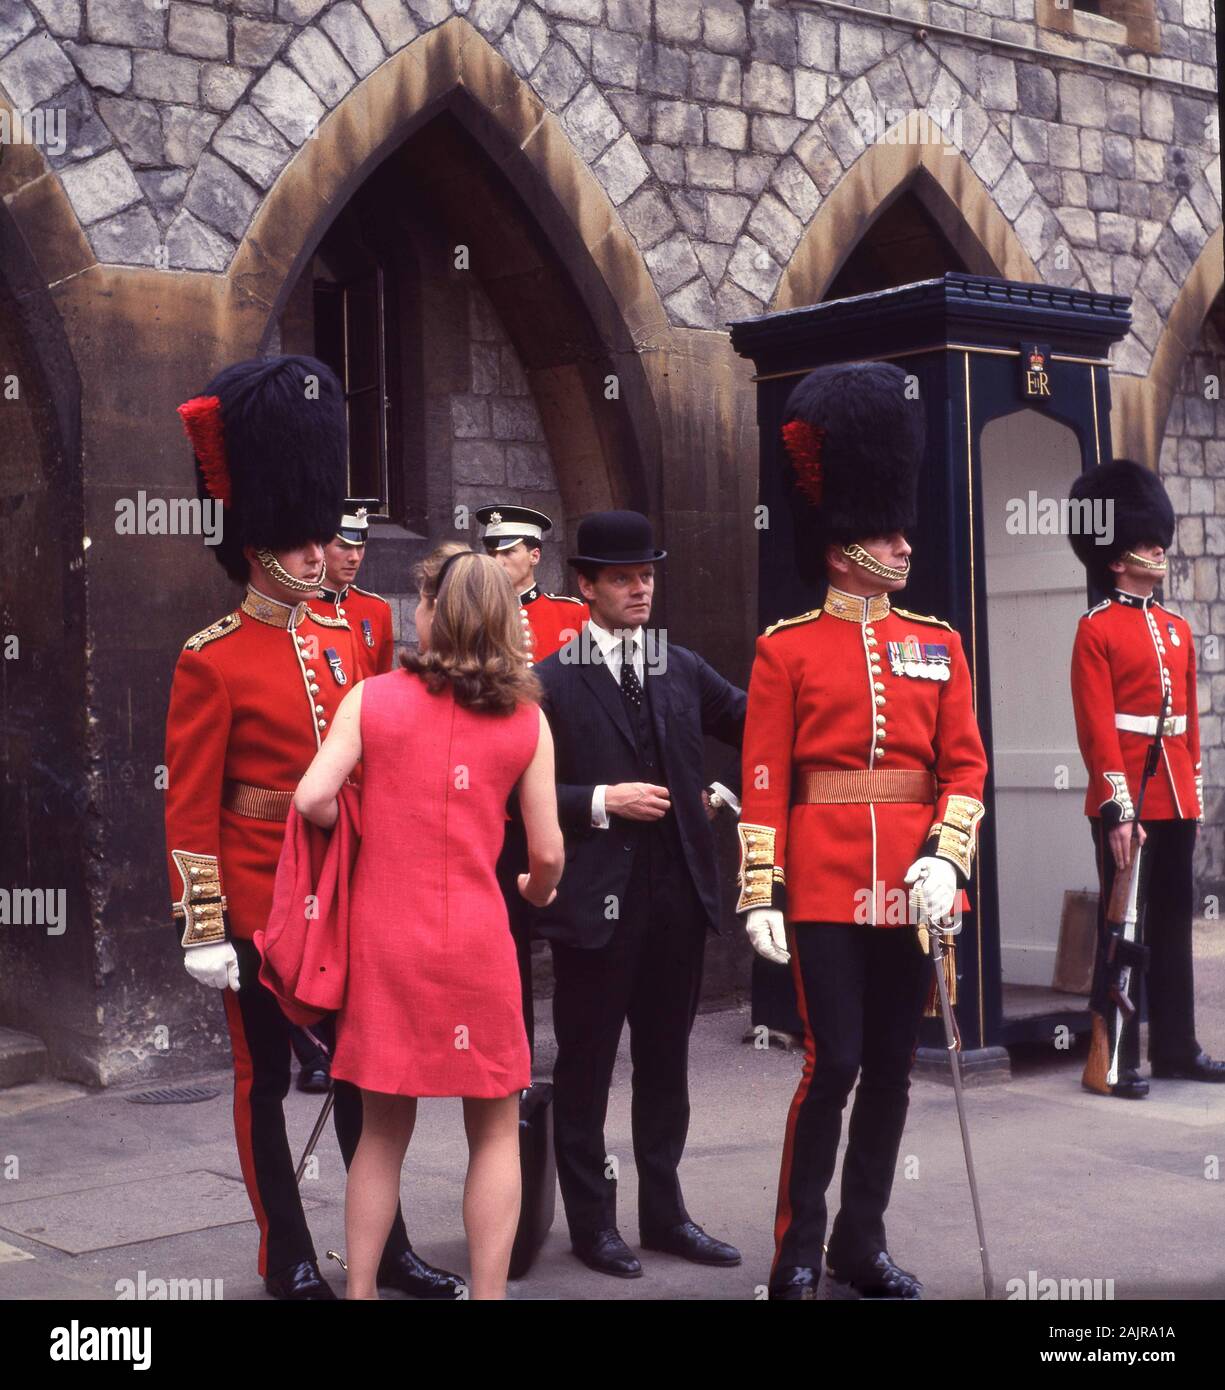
(328, 1101)
(929, 931)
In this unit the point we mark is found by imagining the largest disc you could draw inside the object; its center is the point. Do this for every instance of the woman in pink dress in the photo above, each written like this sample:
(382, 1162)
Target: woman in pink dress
(433, 1002)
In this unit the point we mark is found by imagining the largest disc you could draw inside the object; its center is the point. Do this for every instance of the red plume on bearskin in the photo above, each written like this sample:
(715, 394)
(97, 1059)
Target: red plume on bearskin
(201, 418)
(803, 443)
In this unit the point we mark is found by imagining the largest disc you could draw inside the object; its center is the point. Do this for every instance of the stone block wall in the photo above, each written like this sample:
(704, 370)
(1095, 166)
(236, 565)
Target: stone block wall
(1193, 470)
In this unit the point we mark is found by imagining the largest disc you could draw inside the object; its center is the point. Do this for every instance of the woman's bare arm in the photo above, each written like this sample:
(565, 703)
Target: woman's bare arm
(546, 850)
(315, 797)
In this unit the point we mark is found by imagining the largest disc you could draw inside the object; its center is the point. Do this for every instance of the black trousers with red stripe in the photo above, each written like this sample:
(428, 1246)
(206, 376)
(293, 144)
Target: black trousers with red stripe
(260, 1039)
(861, 992)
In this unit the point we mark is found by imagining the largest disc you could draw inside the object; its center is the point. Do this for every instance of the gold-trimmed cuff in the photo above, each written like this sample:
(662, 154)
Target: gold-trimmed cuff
(957, 836)
(202, 906)
(1120, 796)
(1199, 794)
(758, 872)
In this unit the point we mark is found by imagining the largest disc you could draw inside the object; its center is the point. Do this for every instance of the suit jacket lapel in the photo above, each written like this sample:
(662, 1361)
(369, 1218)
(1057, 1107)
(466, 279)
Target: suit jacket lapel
(609, 695)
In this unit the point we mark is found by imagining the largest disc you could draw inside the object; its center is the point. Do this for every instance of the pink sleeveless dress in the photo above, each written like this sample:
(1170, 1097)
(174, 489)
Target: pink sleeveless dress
(433, 1004)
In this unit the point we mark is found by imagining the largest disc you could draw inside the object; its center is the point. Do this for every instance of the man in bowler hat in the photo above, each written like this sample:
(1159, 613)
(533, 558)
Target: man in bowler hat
(629, 711)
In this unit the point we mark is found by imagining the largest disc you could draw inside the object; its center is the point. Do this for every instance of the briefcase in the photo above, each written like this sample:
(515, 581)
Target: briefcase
(539, 1172)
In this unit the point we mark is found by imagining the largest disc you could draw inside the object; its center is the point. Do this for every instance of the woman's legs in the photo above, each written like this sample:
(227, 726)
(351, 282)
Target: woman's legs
(374, 1185)
(492, 1191)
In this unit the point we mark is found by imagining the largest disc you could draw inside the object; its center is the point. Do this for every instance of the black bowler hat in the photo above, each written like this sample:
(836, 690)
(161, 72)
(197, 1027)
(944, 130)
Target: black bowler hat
(616, 538)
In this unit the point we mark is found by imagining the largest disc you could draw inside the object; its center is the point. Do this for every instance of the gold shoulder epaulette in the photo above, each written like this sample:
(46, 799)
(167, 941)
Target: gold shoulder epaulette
(221, 628)
(565, 598)
(1097, 608)
(923, 618)
(369, 593)
(810, 617)
(325, 621)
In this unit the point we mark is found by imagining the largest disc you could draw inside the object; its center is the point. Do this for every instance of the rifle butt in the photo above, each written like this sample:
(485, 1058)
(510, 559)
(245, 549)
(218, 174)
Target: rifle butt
(1093, 1078)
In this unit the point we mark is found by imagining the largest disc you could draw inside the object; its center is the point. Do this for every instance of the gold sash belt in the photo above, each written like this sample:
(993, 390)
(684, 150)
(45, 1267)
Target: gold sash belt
(260, 803)
(838, 787)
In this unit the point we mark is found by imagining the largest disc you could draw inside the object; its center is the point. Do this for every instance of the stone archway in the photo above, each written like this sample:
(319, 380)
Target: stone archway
(1142, 404)
(941, 178)
(610, 447)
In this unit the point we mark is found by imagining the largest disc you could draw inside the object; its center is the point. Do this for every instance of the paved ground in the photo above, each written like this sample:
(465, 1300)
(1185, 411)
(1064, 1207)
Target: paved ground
(1074, 1187)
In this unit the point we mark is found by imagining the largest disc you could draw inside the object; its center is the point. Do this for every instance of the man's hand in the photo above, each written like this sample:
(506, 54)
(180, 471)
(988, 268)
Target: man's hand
(767, 933)
(215, 966)
(533, 894)
(711, 811)
(937, 885)
(637, 801)
(1120, 843)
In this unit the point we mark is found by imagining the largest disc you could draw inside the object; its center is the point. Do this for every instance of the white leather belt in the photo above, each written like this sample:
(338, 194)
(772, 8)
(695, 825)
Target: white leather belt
(1147, 724)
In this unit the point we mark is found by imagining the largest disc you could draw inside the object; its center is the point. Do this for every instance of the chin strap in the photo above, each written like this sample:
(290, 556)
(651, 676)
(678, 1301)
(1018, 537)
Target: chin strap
(859, 556)
(275, 570)
(1153, 566)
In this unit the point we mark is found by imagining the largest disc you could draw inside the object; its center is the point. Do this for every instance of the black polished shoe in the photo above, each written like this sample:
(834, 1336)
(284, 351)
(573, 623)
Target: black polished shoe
(1200, 1068)
(607, 1253)
(794, 1283)
(690, 1242)
(1130, 1085)
(878, 1278)
(409, 1273)
(300, 1283)
(314, 1078)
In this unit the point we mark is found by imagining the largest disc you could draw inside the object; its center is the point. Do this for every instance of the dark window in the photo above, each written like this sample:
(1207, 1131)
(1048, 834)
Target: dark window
(350, 337)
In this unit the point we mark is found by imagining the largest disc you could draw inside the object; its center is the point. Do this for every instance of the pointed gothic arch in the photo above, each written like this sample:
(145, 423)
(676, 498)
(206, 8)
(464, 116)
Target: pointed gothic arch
(605, 448)
(941, 178)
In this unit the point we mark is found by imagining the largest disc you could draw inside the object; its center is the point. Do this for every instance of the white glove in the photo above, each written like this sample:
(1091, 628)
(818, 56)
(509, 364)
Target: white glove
(215, 965)
(768, 934)
(937, 885)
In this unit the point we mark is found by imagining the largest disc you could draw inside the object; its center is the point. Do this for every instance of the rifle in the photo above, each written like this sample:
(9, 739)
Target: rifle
(1121, 951)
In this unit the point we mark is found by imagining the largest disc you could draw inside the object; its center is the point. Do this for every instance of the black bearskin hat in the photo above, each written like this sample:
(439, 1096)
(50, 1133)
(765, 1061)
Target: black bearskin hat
(855, 445)
(1142, 514)
(269, 439)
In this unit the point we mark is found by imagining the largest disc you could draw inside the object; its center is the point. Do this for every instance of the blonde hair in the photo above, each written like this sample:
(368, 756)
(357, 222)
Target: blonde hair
(476, 643)
(426, 571)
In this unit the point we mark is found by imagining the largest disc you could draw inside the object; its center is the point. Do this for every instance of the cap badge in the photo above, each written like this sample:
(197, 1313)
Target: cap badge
(495, 518)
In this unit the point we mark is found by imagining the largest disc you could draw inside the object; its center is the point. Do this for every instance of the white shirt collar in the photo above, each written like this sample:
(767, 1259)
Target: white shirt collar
(612, 648)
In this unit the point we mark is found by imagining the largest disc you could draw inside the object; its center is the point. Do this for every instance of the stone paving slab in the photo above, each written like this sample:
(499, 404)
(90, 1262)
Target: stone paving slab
(1073, 1186)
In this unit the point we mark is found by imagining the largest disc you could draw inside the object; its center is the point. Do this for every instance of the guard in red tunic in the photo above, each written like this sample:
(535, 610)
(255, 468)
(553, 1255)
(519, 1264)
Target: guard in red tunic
(252, 699)
(512, 536)
(862, 780)
(368, 615)
(1129, 650)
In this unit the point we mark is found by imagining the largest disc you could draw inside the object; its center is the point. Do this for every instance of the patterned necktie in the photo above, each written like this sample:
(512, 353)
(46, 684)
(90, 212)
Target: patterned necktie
(631, 686)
